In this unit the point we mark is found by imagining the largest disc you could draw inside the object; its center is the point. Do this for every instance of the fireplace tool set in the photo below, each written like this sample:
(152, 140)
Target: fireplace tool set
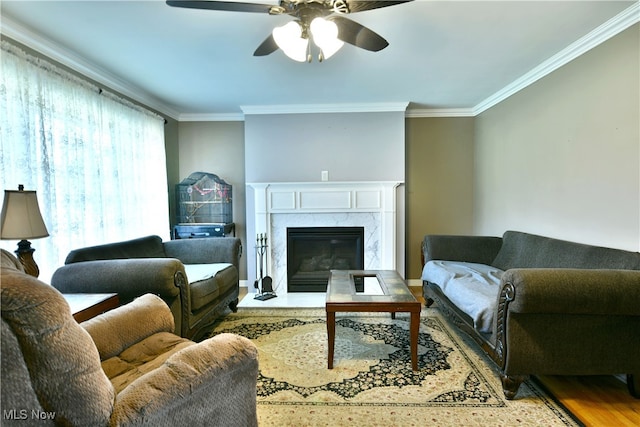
(265, 283)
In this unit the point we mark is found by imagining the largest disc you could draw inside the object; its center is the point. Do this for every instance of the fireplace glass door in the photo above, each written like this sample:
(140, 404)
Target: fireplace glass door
(312, 252)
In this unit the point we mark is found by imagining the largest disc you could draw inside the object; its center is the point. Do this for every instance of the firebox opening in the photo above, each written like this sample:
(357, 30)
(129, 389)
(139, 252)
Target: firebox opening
(312, 252)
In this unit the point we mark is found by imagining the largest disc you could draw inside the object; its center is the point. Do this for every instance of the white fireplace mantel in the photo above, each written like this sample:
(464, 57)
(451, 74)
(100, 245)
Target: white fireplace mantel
(278, 204)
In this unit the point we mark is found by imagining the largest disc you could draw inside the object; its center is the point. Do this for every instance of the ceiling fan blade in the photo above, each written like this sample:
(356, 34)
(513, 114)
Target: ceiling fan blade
(362, 5)
(267, 47)
(358, 35)
(230, 6)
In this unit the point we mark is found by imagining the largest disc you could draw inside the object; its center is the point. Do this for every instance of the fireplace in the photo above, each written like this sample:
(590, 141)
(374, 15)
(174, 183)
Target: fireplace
(278, 206)
(313, 251)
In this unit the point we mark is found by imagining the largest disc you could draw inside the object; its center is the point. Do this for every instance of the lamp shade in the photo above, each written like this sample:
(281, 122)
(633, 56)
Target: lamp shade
(21, 218)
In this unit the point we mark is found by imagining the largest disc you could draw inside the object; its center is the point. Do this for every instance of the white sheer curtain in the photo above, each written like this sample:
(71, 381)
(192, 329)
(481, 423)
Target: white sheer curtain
(96, 160)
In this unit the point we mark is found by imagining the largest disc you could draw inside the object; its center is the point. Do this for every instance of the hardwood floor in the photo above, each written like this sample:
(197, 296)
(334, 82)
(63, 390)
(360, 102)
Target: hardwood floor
(597, 401)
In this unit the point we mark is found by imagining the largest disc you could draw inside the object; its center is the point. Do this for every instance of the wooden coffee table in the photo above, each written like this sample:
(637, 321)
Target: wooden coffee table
(86, 306)
(394, 297)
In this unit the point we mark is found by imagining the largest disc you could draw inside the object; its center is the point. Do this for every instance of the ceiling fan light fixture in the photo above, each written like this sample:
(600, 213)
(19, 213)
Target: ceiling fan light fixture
(329, 35)
(325, 36)
(289, 39)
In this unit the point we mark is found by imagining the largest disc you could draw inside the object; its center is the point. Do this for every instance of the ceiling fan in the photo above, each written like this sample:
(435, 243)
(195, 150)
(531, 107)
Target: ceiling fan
(320, 20)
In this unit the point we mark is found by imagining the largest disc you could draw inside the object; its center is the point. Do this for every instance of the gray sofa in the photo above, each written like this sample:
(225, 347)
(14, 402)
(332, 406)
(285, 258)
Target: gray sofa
(197, 278)
(122, 368)
(538, 305)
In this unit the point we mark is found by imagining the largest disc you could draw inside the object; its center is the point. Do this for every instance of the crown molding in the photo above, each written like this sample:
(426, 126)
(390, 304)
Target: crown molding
(325, 108)
(439, 112)
(215, 117)
(56, 52)
(604, 32)
(25, 36)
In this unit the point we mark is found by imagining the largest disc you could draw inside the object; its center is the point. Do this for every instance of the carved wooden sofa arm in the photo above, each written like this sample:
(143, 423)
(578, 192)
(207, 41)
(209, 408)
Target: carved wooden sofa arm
(576, 321)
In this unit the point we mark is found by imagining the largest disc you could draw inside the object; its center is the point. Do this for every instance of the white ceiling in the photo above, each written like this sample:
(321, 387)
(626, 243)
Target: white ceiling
(444, 57)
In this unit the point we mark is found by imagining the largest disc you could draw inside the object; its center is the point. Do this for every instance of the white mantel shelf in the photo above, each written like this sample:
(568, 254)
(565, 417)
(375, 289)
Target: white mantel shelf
(341, 201)
(325, 196)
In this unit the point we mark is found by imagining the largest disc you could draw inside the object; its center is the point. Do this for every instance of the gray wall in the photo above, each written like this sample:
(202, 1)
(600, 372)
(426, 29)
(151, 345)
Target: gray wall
(439, 187)
(172, 147)
(217, 147)
(562, 157)
(350, 146)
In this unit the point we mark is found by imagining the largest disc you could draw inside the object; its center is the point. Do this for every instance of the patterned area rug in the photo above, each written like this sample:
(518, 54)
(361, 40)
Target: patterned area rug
(372, 383)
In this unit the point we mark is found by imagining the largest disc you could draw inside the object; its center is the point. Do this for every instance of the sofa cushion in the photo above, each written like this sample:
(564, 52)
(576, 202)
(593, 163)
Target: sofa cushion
(472, 287)
(142, 357)
(208, 281)
(144, 247)
(118, 329)
(59, 354)
(227, 279)
(522, 250)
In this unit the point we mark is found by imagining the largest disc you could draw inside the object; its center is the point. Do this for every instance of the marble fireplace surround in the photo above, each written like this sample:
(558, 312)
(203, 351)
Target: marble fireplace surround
(369, 204)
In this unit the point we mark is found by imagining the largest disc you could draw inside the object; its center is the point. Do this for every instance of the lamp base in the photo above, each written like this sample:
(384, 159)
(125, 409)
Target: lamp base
(25, 255)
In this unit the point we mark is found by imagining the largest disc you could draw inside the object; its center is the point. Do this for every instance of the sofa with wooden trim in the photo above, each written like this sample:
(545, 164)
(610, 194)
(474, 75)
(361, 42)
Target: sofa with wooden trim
(125, 367)
(197, 278)
(539, 305)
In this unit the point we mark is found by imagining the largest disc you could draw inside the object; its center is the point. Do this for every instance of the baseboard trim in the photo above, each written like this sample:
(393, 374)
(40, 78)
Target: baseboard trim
(410, 282)
(414, 282)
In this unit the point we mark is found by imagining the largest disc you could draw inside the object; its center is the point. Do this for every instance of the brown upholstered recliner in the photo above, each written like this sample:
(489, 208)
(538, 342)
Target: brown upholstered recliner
(125, 367)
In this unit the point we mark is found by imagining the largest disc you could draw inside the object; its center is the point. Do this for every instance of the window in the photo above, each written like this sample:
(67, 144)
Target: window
(96, 160)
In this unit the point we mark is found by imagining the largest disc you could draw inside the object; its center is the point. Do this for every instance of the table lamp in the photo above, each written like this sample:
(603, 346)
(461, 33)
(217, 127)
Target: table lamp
(21, 220)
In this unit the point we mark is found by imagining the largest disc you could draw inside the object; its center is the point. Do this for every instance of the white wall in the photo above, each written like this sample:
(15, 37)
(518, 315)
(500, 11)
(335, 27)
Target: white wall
(562, 157)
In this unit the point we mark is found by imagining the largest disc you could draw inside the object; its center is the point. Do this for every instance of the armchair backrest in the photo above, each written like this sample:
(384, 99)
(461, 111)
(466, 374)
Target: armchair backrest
(48, 360)
(143, 247)
(18, 397)
(205, 251)
(9, 261)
